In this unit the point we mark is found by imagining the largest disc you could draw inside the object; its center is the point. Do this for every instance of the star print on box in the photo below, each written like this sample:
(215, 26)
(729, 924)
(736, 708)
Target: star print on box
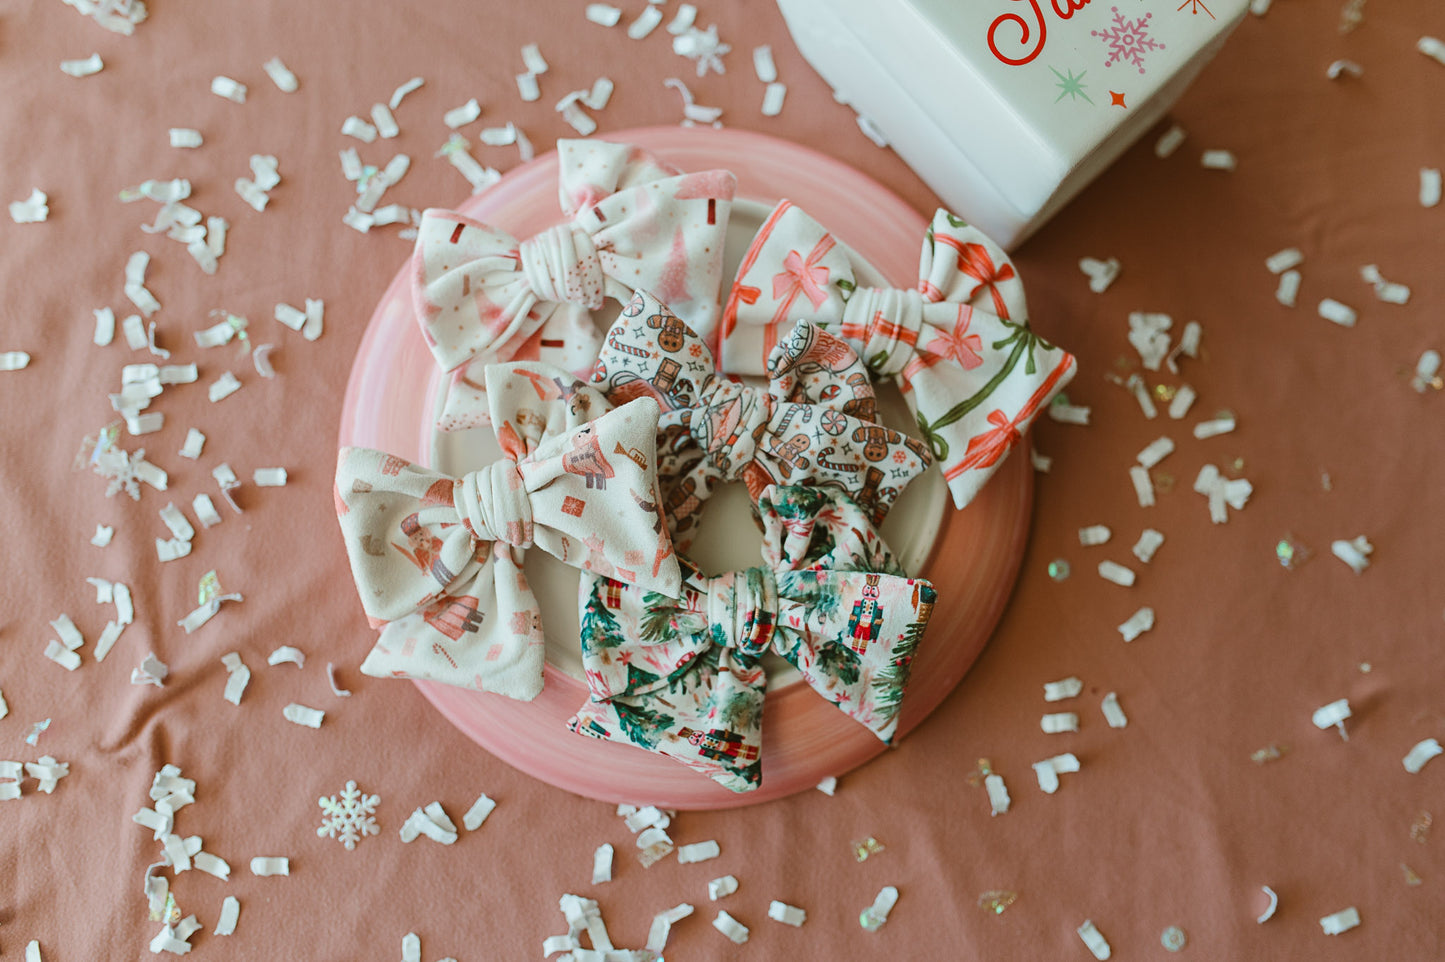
(438, 560)
(811, 424)
(1128, 39)
(1071, 86)
(481, 296)
(970, 368)
(683, 677)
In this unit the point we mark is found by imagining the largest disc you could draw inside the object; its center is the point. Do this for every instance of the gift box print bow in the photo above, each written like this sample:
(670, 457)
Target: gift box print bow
(438, 560)
(972, 371)
(812, 423)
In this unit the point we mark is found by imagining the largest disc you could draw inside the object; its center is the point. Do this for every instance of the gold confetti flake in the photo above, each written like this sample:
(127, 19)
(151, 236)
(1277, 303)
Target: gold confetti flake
(1165, 392)
(1420, 828)
(997, 900)
(1410, 877)
(867, 848)
(1269, 753)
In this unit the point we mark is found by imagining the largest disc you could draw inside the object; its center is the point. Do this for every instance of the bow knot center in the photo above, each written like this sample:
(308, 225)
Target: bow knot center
(494, 504)
(733, 419)
(885, 323)
(743, 605)
(561, 265)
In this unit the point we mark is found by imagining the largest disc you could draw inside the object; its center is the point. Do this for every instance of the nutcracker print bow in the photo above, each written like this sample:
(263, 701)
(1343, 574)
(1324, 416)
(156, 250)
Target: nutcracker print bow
(813, 423)
(480, 294)
(683, 677)
(438, 560)
(973, 373)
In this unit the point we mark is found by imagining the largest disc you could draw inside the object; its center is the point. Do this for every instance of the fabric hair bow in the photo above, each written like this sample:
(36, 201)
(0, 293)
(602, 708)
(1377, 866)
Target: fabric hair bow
(813, 423)
(973, 373)
(683, 677)
(480, 295)
(438, 560)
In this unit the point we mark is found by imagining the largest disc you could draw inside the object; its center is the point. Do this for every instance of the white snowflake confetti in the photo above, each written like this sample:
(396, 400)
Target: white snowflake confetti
(349, 819)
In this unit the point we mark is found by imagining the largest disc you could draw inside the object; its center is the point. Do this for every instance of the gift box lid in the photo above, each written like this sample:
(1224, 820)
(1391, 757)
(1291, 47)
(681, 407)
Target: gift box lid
(1032, 97)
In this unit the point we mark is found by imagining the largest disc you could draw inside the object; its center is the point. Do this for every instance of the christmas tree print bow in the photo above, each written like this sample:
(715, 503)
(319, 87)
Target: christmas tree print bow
(812, 423)
(438, 560)
(683, 677)
(973, 373)
(631, 223)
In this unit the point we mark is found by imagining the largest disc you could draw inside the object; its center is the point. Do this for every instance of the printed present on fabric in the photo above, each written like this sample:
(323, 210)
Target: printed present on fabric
(810, 424)
(970, 368)
(683, 677)
(438, 560)
(480, 295)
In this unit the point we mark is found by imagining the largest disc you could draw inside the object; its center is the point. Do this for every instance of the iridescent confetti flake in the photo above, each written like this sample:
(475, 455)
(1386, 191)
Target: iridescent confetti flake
(1352, 14)
(975, 778)
(867, 848)
(1163, 481)
(1410, 877)
(1173, 938)
(1059, 569)
(40, 726)
(1165, 392)
(1420, 828)
(1268, 753)
(997, 900)
(1290, 553)
(1237, 465)
(209, 588)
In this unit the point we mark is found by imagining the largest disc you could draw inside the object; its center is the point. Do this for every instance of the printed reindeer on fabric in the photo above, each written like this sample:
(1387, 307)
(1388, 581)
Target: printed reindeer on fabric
(438, 560)
(483, 297)
(683, 677)
(812, 424)
(972, 371)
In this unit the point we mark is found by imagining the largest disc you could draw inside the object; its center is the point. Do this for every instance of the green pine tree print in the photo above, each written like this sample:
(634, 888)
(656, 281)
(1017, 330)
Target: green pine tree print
(642, 725)
(600, 629)
(837, 659)
(741, 711)
(891, 682)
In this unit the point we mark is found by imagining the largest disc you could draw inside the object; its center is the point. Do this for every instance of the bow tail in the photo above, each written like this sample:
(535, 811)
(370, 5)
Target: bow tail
(485, 635)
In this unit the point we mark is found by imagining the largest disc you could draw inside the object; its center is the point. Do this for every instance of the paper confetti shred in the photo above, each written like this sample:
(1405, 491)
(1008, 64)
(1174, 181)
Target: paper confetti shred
(873, 917)
(431, 821)
(698, 852)
(238, 676)
(1113, 714)
(998, 797)
(456, 151)
(1059, 722)
(1094, 940)
(774, 96)
(478, 813)
(662, 924)
(997, 901)
(731, 927)
(601, 864)
(205, 510)
(82, 68)
(1283, 260)
(828, 785)
(287, 655)
(1423, 751)
(1427, 372)
(212, 865)
(400, 92)
(269, 477)
(32, 210)
(1138, 623)
(1222, 492)
(301, 715)
(1101, 274)
(1143, 486)
(1063, 689)
(223, 387)
(459, 117)
(603, 14)
(1333, 715)
(1062, 411)
(721, 887)
(280, 75)
(1429, 186)
(1116, 573)
(700, 46)
(1183, 399)
(266, 866)
(48, 772)
(1049, 770)
(1355, 552)
(1094, 534)
(4, 708)
(1287, 291)
(787, 914)
(763, 66)
(354, 126)
(1341, 314)
(230, 912)
(349, 817)
(1341, 921)
(232, 90)
(152, 671)
(1218, 160)
(1169, 141)
(62, 656)
(654, 845)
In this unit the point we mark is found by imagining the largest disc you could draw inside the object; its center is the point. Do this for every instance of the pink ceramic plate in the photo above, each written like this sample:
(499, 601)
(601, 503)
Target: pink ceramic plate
(975, 557)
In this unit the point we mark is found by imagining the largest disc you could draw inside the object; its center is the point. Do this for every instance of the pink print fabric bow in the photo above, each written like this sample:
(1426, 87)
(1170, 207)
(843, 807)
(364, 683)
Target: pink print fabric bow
(683, 677)
(480, 295)
(438, 560)
(973, 373)
(812, 424)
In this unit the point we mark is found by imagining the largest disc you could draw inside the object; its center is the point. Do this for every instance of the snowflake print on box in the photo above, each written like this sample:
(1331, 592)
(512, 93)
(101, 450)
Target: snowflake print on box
(349, 819)
(1128, 39)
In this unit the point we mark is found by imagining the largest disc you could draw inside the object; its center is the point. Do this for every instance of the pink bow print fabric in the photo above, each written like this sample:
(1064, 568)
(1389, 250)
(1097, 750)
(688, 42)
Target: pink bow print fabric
(480, 295)
(438, 560)
(959, 345)
(811, 424)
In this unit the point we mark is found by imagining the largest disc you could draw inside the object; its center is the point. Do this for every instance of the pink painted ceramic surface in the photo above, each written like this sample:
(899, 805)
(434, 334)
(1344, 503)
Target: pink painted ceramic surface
(389, 405)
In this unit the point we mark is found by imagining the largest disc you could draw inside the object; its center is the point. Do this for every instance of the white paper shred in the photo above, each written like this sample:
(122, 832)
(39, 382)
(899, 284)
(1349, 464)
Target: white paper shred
(787, 914)
(1183, 400)
(456, 152)
(533, 60)
(48, 772)
(238, 676)
(559, 943)
(282, 77)
(459, 117)
(683, 20)
(1101, 274)
(422, 822)
(205, 510)
(1431, 47)
(1113, 714)
(1066, 413)
(1390, 293)
(1188, 346)
(1169, 141)
(763, 65)
(354, 126)
(692, 111)
(1341, 921)
(649, 816)
(773, 97)
(1333, 715)
(1063, 689)
(1355, 552)
(212, 865)
(31, 210)
(1143, 487)
(175, 519)
(731, 927)
(1259, 7)
(301, 715)
(1221, 492)
(828, 785)
(698, 852)
(1148, 333)
(172, 549)
(1429, 186)
(871, 131)
(654, 845)
(270, 865)
(1138, 623)
(662, 924)
(873, 917)
(269, 477)
(232, 90)
(1041, 463)
(287, 655)
(411, 947)
(223, 387)
(528, 88)
(230, 912)
(336, 688)
(601, 864)
(104, 326)
(1214, 427)
(1332, 310)
(1423, 751)
(645, 23)
(1218, 160)
(103, 534)
(1427, 371)
(478, 813)
(721, 887)
(124, 608)
(603, 14)
(70, 636)
(1288, 290)
(1094, 939)
(383, 121)
(1155, 452)
(1049, 770)
(1094, 534)
(152, 671)
(575, 116)
(1283, 260)
(1117, 573)
(998, 797)
(82, 68)
(1059, 722)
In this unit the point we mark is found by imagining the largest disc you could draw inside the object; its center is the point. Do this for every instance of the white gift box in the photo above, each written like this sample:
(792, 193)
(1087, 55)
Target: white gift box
(1008, 108)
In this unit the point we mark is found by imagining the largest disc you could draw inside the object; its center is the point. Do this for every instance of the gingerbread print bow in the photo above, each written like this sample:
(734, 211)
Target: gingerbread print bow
(438, 560)
(684, 677)
(813, 423)
(973, 373)
(631, 223)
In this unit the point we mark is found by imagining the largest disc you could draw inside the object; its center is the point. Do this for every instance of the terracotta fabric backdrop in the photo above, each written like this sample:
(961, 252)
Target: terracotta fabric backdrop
(1169, 822)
